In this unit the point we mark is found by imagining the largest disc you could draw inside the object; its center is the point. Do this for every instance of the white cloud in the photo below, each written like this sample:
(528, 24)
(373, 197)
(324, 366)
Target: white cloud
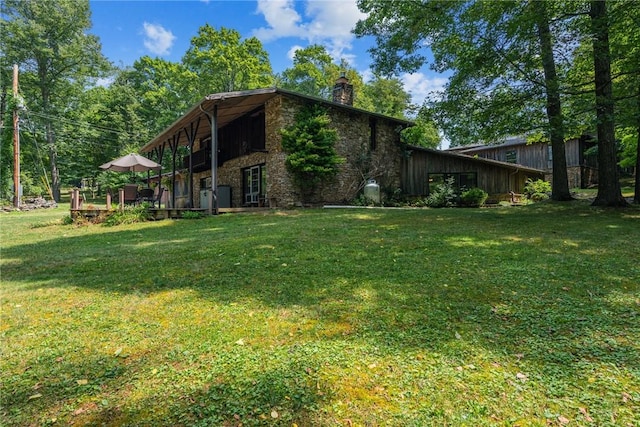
(328, 23)
(157, 39)
(292, 52)
(420, 86)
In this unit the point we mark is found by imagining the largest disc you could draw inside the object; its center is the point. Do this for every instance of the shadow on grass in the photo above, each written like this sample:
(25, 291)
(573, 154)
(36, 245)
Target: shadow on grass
(552, 286)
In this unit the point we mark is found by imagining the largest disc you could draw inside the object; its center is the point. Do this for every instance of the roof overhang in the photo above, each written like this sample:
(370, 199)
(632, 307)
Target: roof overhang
(512, 166)
(230, 106)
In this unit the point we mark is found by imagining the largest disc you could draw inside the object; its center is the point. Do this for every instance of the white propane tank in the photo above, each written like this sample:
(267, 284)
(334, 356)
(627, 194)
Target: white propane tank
(372, 191)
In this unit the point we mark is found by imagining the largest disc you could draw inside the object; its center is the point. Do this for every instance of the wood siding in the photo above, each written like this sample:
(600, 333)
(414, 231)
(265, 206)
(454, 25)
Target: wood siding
(492, 178)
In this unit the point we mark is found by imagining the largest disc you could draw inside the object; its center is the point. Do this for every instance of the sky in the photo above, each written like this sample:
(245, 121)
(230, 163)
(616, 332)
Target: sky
(130, 29)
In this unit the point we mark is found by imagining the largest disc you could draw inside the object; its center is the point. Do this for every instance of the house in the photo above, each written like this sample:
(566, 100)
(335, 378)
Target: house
(581, 166)
(247, 167)
(423, 168)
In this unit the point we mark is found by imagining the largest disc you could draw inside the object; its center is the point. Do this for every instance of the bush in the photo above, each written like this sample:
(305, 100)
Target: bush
(537, 190)
(473, 197)
(443, 195)
(191, 215)
(130, 215)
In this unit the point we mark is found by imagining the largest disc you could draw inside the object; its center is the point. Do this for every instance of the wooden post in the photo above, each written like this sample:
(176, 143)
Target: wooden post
(121, 198)
(108, 201)
(16, 142)
(75, 199)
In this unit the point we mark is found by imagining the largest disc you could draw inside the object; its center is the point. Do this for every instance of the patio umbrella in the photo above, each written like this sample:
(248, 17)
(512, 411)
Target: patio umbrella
(131, 163)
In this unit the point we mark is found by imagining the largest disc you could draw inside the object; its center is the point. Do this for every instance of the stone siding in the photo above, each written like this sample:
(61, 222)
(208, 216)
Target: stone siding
(361, 163)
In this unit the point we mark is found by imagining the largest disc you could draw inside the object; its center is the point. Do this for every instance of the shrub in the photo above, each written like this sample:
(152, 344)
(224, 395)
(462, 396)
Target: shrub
(310, 147)
(537, 190)
(192, 215)
(473, 197)
(130, 215)
(443, 195)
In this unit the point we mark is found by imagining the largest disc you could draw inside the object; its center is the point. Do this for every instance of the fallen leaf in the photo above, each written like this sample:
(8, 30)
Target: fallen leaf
(626, 397)
(35, 396)
(563, 420)
(458, 336)
(240, 341)
(586, 415)
(117, 352)
(274, 414)
(522, 377)
(82, 382)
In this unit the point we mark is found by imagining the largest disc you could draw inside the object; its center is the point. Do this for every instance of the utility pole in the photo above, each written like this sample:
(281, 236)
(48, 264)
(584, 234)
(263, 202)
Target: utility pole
(16, 141)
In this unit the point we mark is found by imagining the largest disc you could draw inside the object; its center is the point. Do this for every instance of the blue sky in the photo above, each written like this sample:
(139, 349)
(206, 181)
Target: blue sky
(131, 29)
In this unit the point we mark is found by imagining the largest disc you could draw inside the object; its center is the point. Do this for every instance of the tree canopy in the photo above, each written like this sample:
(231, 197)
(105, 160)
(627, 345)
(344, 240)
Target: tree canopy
(510, 64)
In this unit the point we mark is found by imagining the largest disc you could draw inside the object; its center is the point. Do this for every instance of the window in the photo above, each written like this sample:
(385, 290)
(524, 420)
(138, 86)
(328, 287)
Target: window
(461, 180)
(255, 184)
(372, 133)
(511, 156)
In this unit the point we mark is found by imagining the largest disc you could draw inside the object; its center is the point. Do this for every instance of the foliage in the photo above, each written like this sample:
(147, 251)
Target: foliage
(192, 215)
(442, 195)
(314, 72)
(473, 197)
(629, 154)
(58, 57)
(112, 181)
(537, 190)
(221, 62)
(424, 133)
(413, 317)
(128, 215)
(510, 61)
(309, 144)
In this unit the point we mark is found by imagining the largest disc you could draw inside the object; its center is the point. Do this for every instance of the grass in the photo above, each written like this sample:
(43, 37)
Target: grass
(505, 316)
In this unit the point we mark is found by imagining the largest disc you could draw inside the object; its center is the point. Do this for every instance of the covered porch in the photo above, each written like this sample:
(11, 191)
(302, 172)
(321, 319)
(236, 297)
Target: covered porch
(219, 129)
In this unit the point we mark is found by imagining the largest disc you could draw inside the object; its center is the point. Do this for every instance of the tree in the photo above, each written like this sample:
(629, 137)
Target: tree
(313, 72)
(609, 192)
(50, 42)
(222, 62)
(424, 133)
(496, 51)
(388, 97)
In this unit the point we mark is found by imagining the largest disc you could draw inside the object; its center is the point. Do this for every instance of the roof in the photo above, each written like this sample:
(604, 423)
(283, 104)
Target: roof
(230, 106)
(507, 142)
(448, 153)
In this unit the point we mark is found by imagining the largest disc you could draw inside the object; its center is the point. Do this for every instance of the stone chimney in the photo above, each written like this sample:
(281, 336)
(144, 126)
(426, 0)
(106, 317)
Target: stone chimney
(343, 91)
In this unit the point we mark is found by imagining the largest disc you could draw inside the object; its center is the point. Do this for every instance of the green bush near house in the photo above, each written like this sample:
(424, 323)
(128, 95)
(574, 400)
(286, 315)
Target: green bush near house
(537, 190)
(473, 197)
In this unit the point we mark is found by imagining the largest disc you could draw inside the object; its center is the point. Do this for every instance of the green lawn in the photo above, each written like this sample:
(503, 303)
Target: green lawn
(523, 316)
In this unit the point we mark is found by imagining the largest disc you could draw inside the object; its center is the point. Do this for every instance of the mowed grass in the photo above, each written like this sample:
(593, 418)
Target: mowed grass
(523, 316)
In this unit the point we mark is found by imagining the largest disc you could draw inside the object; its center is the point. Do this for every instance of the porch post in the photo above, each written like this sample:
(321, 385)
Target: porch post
(213, 206)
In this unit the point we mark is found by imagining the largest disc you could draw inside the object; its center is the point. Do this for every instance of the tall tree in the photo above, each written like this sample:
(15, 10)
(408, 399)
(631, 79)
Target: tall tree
(223, 62)
(497, 52)
(50, 42)
(560, 185)
(609, 192)
(387, 97)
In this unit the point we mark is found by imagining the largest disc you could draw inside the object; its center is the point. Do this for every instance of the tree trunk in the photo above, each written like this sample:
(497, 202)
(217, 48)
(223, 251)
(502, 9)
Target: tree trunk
(53, 162)
(609, 192)
(560, 184)
(636, 193)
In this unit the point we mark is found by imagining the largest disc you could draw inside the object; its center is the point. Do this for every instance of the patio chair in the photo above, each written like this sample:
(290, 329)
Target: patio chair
(145, 195)
(130, 194)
